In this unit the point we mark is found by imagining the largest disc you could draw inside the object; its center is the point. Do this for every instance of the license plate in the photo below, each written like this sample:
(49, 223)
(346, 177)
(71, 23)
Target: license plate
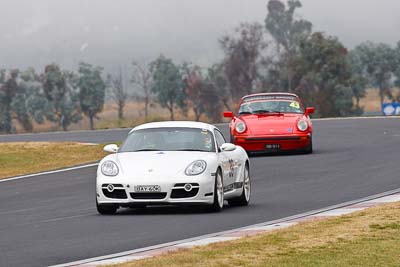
(272, 146)
(147, 188)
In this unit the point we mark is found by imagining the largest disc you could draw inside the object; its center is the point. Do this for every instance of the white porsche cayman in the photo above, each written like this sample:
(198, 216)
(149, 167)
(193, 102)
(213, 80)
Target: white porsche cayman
(173, 163)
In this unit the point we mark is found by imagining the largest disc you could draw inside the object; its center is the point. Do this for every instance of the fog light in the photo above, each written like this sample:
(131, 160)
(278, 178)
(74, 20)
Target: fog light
(188, 187)
(110, 188)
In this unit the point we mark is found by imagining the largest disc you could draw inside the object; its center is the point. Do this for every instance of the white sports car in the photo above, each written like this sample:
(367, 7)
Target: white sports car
(173, 163)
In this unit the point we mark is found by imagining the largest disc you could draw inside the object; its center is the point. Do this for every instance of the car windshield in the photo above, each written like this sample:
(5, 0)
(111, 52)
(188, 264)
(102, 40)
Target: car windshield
(271, 106)
(169, 139)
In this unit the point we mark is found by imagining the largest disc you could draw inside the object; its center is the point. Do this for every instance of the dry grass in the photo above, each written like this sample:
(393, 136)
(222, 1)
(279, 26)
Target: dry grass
(366, 238)
(108, 119)
(30, 157)
(371, 101)
(134, 115)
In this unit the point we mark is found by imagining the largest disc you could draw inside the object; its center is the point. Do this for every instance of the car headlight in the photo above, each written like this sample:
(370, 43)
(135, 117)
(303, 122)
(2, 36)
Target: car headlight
(302, 125)
(196, 167)
(109, 168)
(240, 127)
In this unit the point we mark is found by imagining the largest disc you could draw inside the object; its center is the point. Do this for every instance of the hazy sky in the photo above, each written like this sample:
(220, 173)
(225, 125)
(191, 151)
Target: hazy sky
(112, 32)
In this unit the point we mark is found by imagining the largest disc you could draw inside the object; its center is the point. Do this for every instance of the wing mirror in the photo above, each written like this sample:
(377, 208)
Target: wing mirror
(309, 111)
(227, 147)
(111, 148)
(228, 114)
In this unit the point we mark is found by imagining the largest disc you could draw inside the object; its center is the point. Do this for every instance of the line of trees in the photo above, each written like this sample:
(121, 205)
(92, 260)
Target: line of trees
(56, 95)
(282, 54)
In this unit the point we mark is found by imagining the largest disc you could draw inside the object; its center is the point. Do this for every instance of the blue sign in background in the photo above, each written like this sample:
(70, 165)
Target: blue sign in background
(390, 109)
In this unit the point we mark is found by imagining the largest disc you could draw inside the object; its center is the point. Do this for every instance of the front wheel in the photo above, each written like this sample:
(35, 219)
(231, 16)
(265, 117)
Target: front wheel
(106, 209)
(232, 138)
(218, 203)
(244, 198)
(309, 148)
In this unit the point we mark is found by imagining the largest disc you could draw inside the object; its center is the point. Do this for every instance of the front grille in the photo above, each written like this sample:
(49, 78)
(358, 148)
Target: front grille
(148, 195)
(115, 185)
(183, 184)
(179, 190)
(182, 193)
(117, 193)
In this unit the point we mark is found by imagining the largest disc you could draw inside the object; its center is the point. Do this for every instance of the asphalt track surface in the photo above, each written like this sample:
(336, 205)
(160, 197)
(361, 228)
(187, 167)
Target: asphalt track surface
(52, 219)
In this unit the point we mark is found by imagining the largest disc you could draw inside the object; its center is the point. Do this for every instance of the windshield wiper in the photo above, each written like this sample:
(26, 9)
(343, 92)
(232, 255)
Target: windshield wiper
(245, 112)
(146, 149)
(192, 149)
(266, 111)
(260, 111)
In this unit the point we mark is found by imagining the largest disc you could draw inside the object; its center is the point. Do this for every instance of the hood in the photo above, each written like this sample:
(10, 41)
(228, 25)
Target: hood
(156, 163)
(271, 124)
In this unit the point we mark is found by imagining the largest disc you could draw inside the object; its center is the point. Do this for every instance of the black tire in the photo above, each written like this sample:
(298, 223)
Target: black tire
(309, 148)
(231, 138)
(216, 206)
(106, 209)
(243, 199)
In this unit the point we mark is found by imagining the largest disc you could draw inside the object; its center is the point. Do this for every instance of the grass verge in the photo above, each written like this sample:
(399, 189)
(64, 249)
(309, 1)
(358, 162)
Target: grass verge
(366, 238)
(30, 157)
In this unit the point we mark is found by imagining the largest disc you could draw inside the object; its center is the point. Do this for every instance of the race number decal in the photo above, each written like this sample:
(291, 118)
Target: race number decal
(231, 168)
(294, 105)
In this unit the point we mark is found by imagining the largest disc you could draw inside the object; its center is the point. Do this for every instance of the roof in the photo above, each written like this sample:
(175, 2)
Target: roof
(169, 124)
(270, 94)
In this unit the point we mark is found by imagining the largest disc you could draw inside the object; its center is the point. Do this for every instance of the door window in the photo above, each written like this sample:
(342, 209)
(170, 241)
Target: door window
(219, 138)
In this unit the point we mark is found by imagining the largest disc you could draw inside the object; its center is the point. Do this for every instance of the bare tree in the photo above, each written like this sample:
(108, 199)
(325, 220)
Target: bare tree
(193, 85)
(243, 53)
(287, 30)
(118, 91)
(142, 78)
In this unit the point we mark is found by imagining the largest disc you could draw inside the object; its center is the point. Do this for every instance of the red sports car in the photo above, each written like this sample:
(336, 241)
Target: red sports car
(271, 122)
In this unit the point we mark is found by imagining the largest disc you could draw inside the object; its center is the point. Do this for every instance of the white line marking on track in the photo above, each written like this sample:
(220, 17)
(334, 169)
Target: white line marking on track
(337, 212)
(356, 118)
(216, 124)
(121, 260)
(388, 196)
(388, 199)
(272, 226)
(48, 172)
(206, 241)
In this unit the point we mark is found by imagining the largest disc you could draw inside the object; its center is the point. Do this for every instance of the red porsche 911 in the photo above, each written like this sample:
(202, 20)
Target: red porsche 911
(271, 122)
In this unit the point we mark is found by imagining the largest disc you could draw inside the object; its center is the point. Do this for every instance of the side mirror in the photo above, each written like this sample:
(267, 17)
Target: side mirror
(228, 114)
(111, 148)
(310, 110)
(228, 147)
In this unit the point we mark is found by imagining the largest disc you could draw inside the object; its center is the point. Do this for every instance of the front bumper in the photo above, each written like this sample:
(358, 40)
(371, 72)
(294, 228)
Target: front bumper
(123, 191)
(292, 142)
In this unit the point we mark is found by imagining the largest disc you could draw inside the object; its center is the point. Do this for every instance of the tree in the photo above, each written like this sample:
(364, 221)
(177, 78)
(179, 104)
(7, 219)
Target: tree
(243, 54)
(194, 86)
(359, 81)
(167, 85)
(21, 99)
(91, 91)
(201, 93)
(62, 96)
(211, 100)
(378, 63)
(397, 68)
(8, 90)
(323, 75)
(287, 32)
(217, 80)
(142, 77)
(118, 91)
